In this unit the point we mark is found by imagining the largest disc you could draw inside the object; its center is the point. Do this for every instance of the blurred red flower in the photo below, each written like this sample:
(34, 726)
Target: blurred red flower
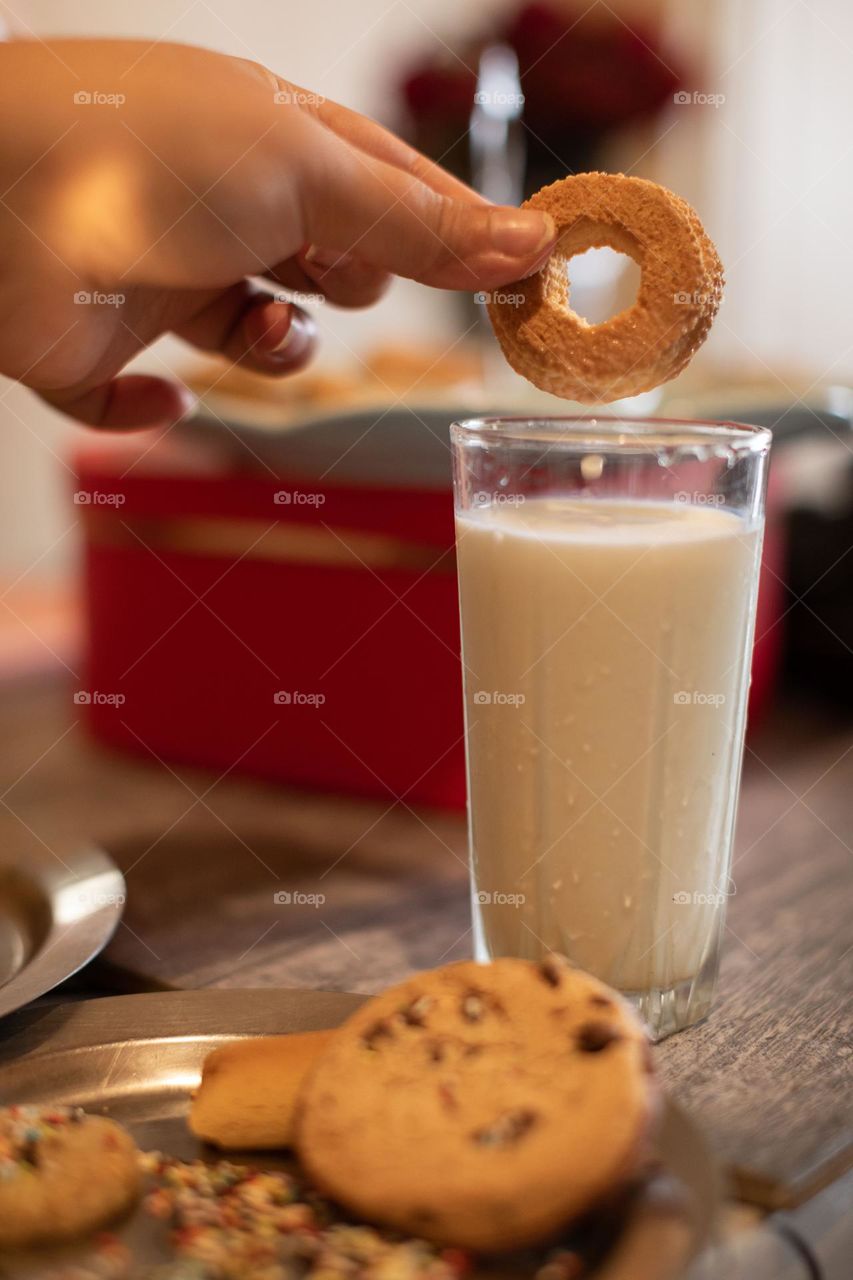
(584, 72)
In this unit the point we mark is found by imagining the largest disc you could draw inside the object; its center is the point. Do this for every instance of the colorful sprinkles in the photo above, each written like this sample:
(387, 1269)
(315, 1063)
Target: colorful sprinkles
(23, 1129)
(232, 1222)
(239, 1223)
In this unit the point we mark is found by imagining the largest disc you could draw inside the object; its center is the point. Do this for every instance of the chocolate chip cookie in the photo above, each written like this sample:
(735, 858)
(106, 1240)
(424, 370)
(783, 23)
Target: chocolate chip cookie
(62, 1174)
(483, 1106)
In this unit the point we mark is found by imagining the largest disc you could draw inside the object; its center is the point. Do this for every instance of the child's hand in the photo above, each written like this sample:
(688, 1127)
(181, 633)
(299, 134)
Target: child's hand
(157, 179)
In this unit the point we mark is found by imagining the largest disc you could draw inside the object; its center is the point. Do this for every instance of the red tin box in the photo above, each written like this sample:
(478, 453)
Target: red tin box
(283, 603)
(266, 609)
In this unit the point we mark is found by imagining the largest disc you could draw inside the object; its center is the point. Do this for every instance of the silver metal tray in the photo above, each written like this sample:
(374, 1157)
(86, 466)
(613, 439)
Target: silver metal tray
(54, 917)
(137, 1058)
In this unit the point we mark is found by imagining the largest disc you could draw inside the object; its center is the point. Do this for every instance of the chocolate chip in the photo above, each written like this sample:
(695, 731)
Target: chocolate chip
(508, 1129)
(552, 969)
(414, 1014)
(30, 1152)
(436, 1051)
(448, 1097)
(379, 1031)
(473, 1007)
(596, 1036)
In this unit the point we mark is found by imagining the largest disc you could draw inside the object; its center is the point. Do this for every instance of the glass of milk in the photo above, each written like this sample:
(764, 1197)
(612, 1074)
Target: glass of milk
(608, 572)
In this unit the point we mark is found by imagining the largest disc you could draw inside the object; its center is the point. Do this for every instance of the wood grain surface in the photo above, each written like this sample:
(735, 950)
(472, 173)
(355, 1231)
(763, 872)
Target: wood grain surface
(385, 893)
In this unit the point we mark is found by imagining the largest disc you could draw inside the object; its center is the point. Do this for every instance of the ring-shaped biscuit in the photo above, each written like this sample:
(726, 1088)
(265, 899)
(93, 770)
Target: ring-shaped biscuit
(647, 343)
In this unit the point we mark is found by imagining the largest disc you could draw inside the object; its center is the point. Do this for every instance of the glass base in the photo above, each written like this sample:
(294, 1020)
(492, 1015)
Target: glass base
(675, 1008)
(665, 1010)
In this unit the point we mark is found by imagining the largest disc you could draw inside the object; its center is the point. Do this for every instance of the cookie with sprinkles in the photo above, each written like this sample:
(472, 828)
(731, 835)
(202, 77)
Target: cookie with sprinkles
(62, 1174)
(482, 1106)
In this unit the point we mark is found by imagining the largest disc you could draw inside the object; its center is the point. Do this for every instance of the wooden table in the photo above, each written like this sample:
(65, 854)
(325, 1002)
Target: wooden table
(768, 1075)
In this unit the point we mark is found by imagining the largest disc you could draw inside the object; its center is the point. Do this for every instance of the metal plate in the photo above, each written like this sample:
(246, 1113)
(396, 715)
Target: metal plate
(137, 1058)
(54, 918)
(360, 446)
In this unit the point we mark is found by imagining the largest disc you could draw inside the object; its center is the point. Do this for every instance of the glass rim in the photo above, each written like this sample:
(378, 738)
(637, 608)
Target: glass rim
(605, 433)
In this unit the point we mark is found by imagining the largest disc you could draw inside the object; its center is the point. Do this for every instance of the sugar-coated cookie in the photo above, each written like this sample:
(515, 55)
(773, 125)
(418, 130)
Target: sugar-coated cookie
(62, 1174)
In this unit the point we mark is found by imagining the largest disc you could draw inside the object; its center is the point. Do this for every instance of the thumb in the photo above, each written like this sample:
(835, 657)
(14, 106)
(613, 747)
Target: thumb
(354, 202)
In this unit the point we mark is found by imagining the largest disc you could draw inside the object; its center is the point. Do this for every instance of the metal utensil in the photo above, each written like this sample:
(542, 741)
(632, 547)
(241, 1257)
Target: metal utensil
(55, 916)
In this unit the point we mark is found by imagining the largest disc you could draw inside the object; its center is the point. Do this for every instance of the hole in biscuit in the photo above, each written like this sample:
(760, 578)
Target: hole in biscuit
(602, 282)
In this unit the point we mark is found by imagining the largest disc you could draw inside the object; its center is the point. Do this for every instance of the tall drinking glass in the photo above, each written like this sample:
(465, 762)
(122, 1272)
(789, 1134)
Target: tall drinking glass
(608, 572)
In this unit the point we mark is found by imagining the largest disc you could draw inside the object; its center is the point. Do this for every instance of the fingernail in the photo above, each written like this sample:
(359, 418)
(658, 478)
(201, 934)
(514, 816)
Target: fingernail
(287, 340)
(520, 232)
(539, 262)
(300, 331)
(326, 259)
(188, 400)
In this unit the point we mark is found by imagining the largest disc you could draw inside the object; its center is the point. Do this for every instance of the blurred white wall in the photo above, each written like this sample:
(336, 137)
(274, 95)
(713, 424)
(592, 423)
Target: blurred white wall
(770, 169)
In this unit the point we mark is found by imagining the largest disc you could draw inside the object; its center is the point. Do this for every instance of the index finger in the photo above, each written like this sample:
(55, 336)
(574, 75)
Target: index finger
(377, 141)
